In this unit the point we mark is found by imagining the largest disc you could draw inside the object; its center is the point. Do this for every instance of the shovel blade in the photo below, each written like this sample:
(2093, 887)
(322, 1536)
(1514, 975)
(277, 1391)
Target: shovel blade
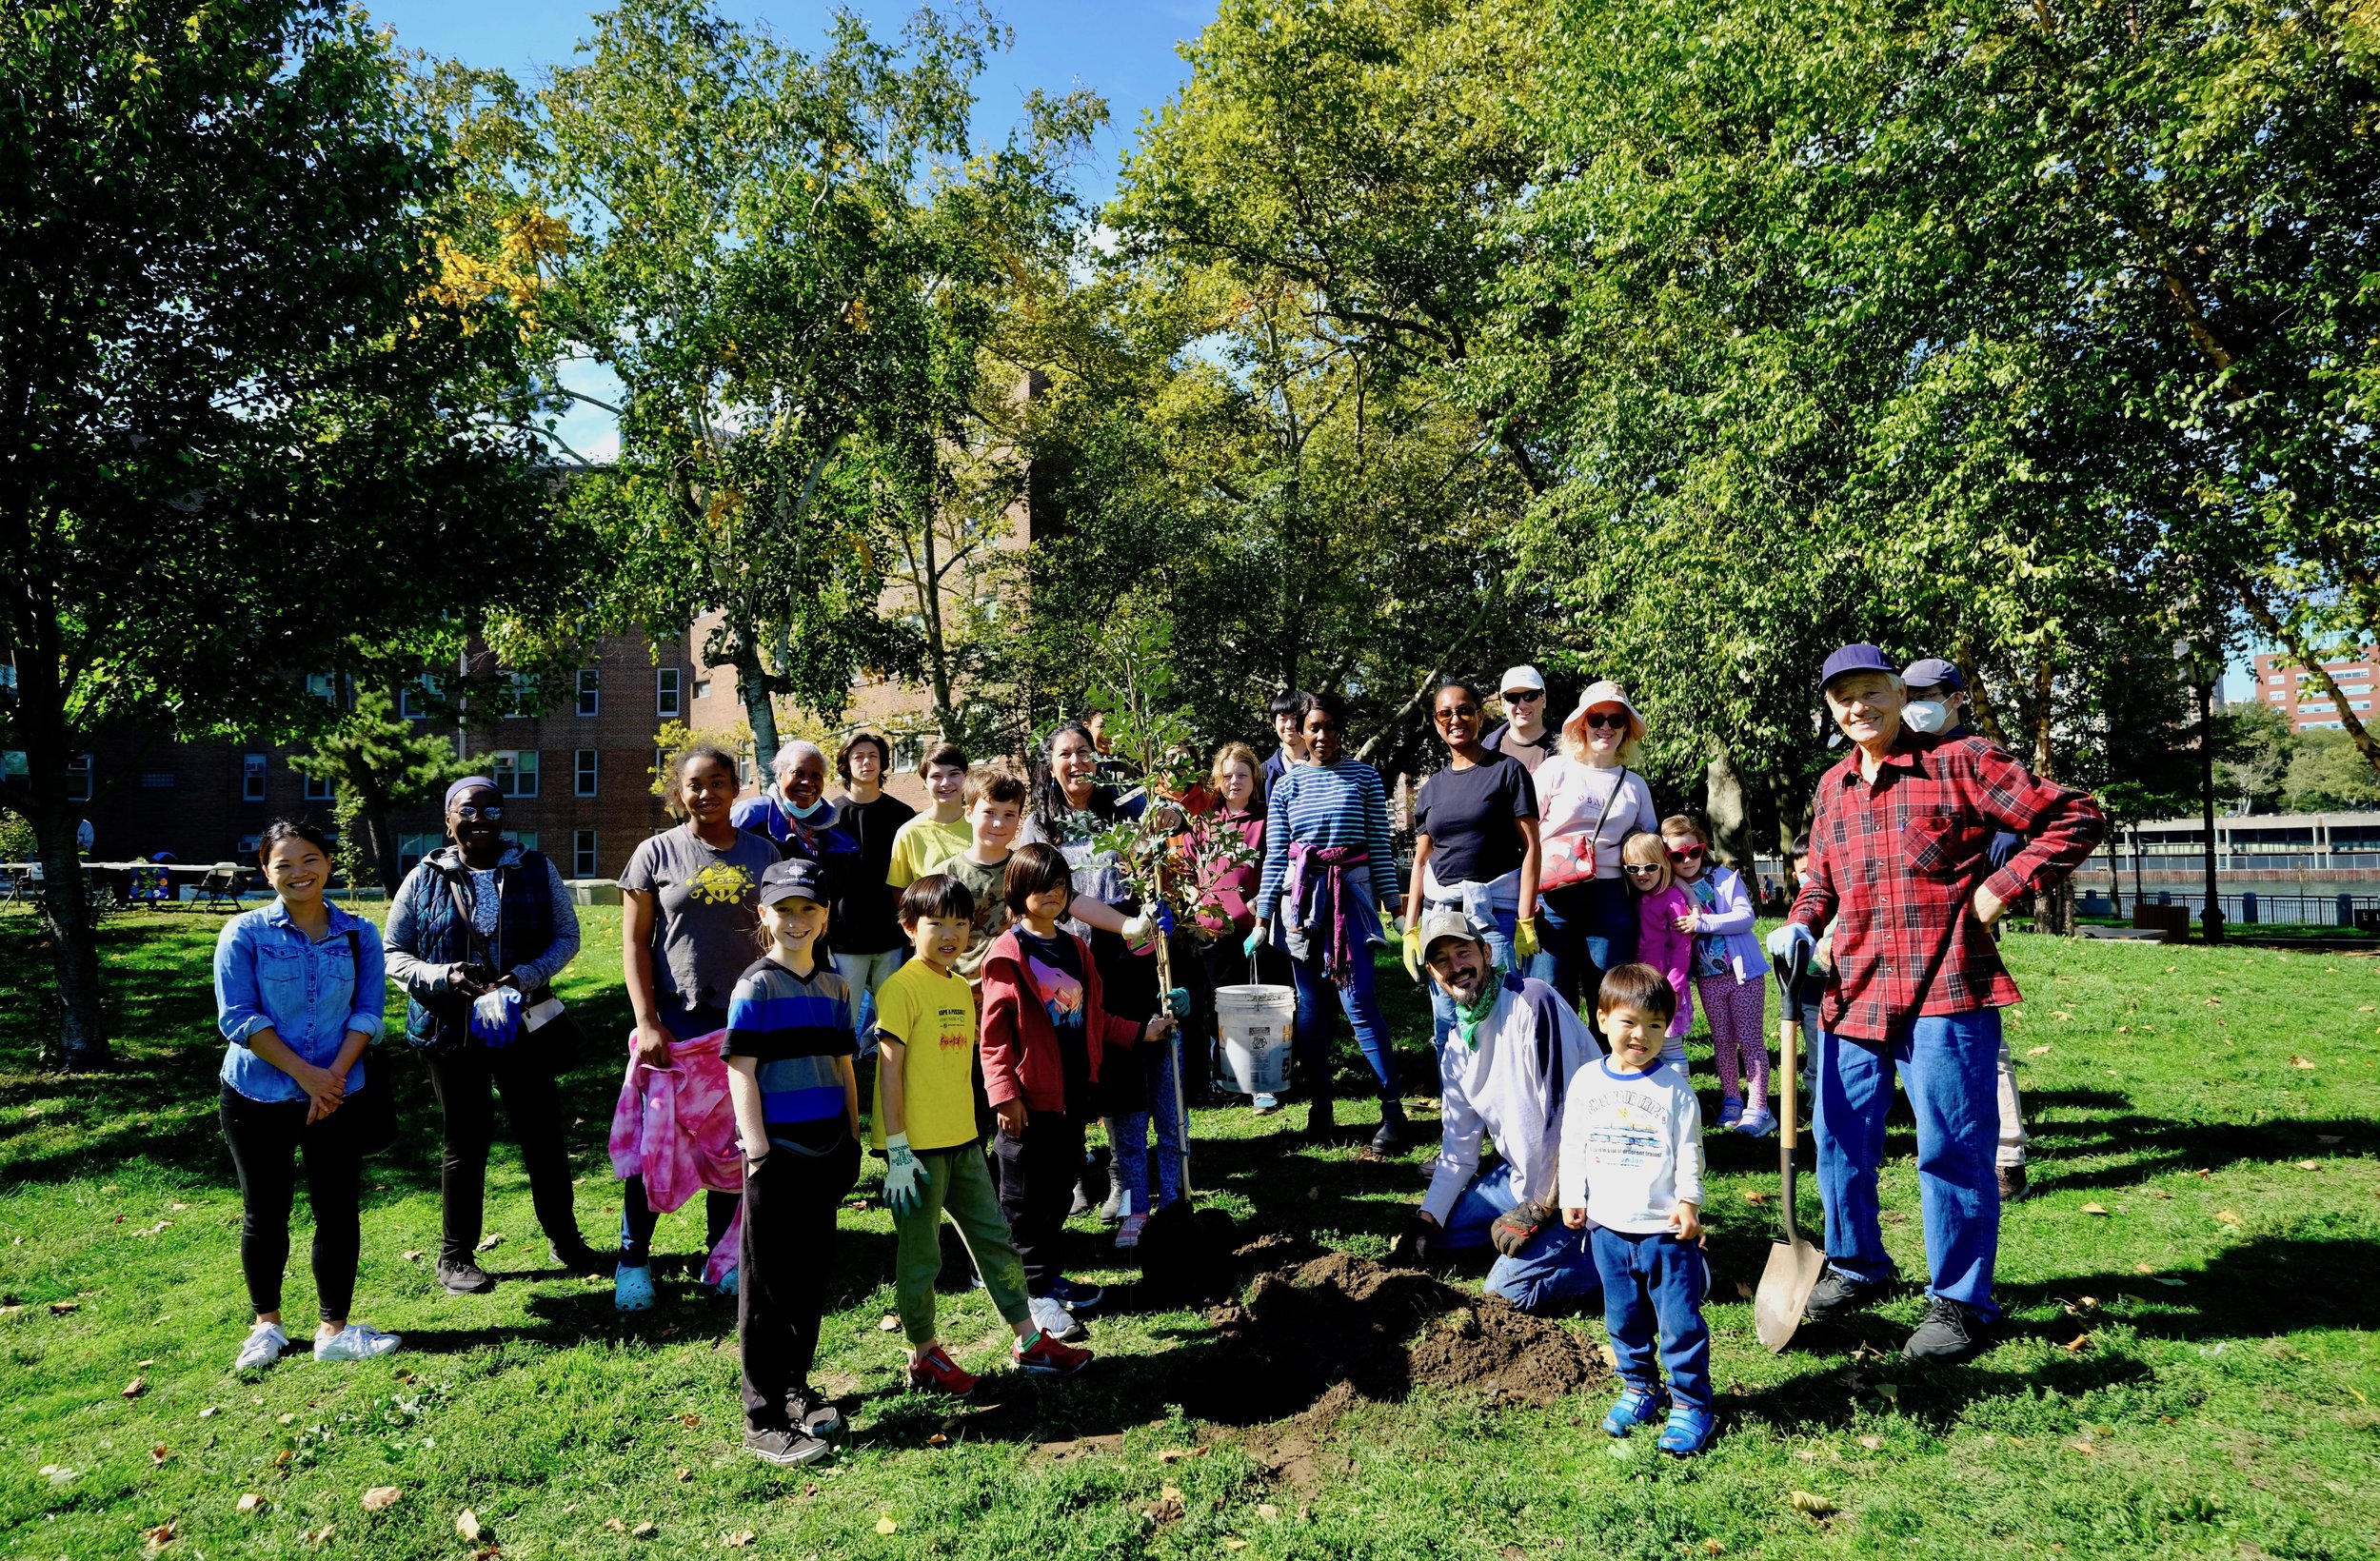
(1785, 1286)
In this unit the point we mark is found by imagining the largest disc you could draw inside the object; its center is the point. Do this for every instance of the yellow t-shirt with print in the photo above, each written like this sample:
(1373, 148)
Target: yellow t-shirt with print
(920, 845)
(932, 1016)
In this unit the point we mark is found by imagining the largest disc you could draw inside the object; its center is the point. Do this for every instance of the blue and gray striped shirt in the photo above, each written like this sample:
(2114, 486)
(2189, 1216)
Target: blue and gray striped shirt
(796, 1028)
(1321, 806)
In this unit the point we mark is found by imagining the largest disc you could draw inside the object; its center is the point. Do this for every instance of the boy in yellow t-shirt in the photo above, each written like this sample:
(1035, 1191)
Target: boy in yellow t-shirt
(926, 1124)
(940, 833)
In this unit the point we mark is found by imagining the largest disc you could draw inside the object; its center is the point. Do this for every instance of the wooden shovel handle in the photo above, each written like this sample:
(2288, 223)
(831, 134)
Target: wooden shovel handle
(1787, 1035)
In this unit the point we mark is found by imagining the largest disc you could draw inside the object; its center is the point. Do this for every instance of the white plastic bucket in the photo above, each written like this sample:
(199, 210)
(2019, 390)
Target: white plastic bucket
(1255, 1022)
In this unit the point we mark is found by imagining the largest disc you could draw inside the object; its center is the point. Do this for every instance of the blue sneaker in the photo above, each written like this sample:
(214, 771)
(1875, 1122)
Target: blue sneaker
(1757, 1124)
(1075, 1295)
(1731, 1111)
(1636, 1406)
(1688, 1432)
(632, 1288)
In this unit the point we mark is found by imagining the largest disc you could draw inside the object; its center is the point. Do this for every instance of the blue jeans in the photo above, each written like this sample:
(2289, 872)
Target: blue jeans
(1653, 1288)
(1552, 1273)
(1310, 1041)
(1500, 941)
(1948, 1062)
(1583, 930)
(637, 1217)
(863, 974)
(1130, 1135)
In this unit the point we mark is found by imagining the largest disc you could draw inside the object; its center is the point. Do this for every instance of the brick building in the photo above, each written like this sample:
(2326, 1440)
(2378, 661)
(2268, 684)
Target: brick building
(2283, 685)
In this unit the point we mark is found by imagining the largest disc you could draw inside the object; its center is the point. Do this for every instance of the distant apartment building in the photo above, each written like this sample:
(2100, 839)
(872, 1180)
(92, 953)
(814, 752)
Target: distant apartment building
(2283, 685)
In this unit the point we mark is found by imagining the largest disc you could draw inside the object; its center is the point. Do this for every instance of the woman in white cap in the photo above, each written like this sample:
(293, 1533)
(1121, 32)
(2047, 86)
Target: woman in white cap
(1588, 800)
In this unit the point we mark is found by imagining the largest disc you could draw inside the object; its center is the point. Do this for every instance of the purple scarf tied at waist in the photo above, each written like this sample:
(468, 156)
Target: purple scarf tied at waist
(1322, 894)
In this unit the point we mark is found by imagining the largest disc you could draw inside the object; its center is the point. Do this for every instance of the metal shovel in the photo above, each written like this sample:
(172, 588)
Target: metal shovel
(1793, 1263)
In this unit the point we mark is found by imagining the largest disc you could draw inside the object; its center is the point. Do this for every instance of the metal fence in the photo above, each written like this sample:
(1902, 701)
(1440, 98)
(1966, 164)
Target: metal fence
(2250, 909)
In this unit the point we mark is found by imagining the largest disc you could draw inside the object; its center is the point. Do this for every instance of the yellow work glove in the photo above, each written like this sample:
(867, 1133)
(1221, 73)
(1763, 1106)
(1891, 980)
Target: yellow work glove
(1525, 938)
(1410, 943)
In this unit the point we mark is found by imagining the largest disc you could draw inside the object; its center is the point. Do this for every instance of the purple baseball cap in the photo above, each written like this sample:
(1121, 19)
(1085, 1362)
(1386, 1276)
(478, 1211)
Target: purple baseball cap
(1934, 672)
(1855, 659)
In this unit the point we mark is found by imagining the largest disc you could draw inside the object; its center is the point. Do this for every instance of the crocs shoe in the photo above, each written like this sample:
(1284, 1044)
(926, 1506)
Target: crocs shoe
(265, 1344)
(1731, 1111)
(1264, 1105)
(728, 1281)
(632, 1288)
(1688, 1431)
(1636, 1406)
(354, 1342)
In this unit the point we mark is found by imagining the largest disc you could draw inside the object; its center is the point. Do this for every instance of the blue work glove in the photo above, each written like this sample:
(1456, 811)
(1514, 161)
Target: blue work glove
(1782, 940)
(1177, 1003)
(1165, 920)
(904, 1179)
(1258, 935)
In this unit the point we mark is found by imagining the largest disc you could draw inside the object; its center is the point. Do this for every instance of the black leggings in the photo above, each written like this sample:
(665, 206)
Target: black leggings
(533, 1107)
(790, 1204)
(267, 1137)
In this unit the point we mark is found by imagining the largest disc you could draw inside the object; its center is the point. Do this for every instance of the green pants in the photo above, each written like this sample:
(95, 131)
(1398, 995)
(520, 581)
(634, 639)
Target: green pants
(957, 1183)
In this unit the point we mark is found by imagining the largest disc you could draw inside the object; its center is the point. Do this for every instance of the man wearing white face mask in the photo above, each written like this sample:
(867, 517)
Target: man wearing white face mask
(1937, 703)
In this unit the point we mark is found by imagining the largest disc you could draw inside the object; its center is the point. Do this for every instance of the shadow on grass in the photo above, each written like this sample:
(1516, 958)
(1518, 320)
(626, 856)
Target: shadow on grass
(2101, 1125)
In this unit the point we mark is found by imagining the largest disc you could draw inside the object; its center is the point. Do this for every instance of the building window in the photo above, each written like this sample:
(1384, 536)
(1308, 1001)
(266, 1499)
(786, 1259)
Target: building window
(590, 690)
(908, 753)
(156, 779)
(702, 688)
(413, 699)
(661, 763)
(251, 778)
(524, 839)
(250, 844)
(521, 699)
(412, 848)
(745, 769)
(78, 778)
(585, 785)
(514, 771)
(583, 853)
(668, 692)
(319, 789)
(323, 686)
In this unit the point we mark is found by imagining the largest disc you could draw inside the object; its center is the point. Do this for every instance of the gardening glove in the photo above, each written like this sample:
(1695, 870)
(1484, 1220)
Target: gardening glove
(1516, 1227)
(1177, 1003)
(1781, 941)
(904, 1179)
(1258, 935)
(1418, 1245)
(1525, 938)
(1410, 951)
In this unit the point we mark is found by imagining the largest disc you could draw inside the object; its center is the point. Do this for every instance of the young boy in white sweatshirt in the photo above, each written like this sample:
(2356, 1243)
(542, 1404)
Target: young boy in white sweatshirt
(1632, 1163)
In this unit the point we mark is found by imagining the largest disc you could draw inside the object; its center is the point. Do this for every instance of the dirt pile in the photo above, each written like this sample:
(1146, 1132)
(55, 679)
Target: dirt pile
(1316, 1331)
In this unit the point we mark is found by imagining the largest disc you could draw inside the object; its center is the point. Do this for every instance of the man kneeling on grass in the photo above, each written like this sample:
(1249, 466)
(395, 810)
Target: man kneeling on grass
(926, 1124)
(1504, 1072)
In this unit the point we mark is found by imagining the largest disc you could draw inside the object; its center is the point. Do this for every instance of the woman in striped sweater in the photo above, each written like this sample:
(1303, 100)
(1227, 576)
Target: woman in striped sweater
(1328, 871)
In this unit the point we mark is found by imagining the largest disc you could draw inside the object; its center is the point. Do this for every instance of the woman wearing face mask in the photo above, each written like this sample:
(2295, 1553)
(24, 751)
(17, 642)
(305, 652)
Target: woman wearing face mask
(1588, 800)
(474, 919)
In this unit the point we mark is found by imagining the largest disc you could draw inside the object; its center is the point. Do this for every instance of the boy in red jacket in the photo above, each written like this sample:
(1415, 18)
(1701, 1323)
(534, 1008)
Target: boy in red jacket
(1045, 1030)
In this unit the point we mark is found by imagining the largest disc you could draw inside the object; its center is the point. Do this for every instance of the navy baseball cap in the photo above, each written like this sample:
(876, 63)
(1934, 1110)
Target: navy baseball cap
(796, 878)
(1855, 659)
(1934, 672)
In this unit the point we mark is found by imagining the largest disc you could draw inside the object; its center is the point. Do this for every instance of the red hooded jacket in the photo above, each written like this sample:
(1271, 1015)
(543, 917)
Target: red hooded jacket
(1020, 1044)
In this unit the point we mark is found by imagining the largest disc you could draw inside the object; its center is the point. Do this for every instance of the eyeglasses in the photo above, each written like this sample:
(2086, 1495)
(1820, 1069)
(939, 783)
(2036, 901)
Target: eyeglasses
(1523, 696)
(1598, 720)
(469, 814)
(1635, 869)
(1456, 712)
(1687, 853)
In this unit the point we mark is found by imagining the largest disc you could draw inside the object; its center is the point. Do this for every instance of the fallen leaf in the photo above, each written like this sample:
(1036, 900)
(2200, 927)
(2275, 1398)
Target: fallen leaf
(209, 1412)
(2308, 1165)
(2301, 1062)
(2080, 1446)
(2202, 1172)
(251, 1502)
(1172, 1454)
(2143, 1267)
(1871, 1442)
(685, 1476)
(1267, 1510)
(59, 1309)
(737, 1541)
(890, 1324)
(159, 1537)
(322, 1535)
(2214, 1003)
(2228, 1216)
(615, 1525)
(1745, 1291)
(489, 1242)
(138, 1386)
(289, 1419)
(1815, 1506)
(467, 1524)
(1230, 1542)
(642, 1531)
(886, 1526)
(1755, 1195)
(2095, 1208)
(2039, 1050)
(2077, 1343)
(380, 1497)
(412, 1255)
(1711, 1546)
(691, 1422)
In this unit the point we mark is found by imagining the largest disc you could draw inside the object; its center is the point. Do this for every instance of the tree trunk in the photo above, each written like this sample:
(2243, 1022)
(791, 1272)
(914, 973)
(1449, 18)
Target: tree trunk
(378, 824)
(2116, 875)
(1726, 810)
(82, 1044)
(759, 709)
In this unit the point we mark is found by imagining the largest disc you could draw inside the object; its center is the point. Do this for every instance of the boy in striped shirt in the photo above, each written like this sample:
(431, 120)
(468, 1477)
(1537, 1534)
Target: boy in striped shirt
(791, 1036)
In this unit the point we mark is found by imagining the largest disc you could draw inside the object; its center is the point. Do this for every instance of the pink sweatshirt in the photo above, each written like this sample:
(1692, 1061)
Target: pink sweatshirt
(676, 1128)
(1671, 952)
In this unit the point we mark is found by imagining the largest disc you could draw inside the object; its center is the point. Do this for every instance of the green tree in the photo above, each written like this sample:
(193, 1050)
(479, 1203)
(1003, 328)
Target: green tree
(2255, 751)
(2327, 775)
(244, 423)
(379, 761)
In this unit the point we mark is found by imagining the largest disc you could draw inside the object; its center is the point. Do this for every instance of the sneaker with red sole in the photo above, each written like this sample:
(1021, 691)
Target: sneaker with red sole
(1046, 1357)
(937, 1372)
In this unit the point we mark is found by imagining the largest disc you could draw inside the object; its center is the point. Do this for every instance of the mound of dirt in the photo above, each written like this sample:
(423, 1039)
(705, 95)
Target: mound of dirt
(1317, 1331)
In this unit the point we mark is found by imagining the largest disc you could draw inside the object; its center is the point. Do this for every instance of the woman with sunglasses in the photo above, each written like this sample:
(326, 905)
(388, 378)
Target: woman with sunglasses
(1589, 800)
(1475, 849)
(475, 918)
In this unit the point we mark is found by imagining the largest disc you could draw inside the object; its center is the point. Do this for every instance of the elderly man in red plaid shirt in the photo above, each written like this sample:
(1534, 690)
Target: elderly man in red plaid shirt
(1899, 862)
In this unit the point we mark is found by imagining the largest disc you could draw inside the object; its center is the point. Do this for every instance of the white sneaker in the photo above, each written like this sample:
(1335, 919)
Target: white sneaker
(1055, 1321)
(354, 1342)
(264, 1346)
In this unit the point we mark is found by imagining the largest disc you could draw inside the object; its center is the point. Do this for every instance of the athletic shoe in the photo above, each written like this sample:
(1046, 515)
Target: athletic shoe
(728, 1281)
(582, 1260)
(1046, 1356)
(1952, 1332)
(817, 1416)
(463, 1277)
(354, 1342)
(1731, 1111)
(1112, 1212)
(1837, 1295)
(2012, 1184)
(1055, 1322)
(1075, 1295)
(1688, 1431)
(1395, 1135)
(934, 1371)
(1757, 1124)
(1128, 1233)
(632, 1288)
(1264, 1105)
(785, 1446)
(265, 1344)
(1635, 1407)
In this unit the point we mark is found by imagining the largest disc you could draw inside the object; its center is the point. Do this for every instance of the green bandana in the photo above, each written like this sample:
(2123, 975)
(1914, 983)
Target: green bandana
(1469, 1015)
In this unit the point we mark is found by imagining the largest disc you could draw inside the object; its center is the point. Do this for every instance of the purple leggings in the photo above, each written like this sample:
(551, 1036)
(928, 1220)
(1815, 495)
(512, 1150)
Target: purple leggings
(1739, 1039)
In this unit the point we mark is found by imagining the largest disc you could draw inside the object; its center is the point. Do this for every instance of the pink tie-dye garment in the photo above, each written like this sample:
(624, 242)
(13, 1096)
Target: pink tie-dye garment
(676, 1128)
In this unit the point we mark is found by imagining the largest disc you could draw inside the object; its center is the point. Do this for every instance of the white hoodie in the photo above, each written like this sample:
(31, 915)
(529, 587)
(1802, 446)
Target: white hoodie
(1632, 1146)
(1507, 1082)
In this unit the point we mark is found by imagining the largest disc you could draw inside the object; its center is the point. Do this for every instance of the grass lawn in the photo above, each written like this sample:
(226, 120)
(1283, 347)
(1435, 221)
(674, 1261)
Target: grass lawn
(2191, 1370)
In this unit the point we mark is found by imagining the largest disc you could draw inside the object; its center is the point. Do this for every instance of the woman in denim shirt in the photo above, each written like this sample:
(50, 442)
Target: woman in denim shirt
(300, 990)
